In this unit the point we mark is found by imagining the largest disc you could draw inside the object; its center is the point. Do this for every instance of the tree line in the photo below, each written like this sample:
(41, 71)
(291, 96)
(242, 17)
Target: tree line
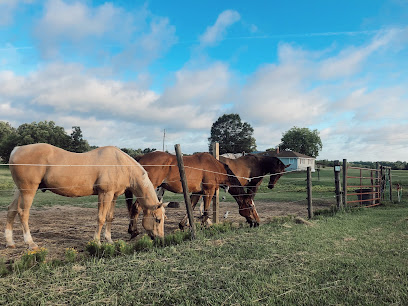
(48, 132)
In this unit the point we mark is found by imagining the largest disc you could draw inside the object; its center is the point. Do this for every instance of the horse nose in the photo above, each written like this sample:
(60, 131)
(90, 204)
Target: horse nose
(270, 186)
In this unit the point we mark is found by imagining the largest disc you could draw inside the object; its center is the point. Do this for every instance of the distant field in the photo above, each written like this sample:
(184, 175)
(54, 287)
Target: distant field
(291, 187)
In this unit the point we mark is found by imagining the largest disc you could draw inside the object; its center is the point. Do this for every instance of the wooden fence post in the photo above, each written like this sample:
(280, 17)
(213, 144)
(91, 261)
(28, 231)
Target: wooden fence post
(337, 186)
(309, 193)
(390, 181)
(216, 199)
(377, 183)
(344, 183)
(185, 190)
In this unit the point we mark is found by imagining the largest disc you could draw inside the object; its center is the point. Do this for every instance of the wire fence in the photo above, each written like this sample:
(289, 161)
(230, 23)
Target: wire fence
(63, 201)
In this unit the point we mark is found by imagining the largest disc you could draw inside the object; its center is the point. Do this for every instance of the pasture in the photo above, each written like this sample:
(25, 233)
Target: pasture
(355, 257)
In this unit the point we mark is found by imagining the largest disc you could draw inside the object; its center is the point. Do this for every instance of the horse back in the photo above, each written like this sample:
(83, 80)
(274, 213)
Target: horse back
(240, 166)
(49, 167)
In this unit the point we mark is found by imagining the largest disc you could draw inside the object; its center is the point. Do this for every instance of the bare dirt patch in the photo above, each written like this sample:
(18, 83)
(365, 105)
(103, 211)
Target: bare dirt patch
(60, 227)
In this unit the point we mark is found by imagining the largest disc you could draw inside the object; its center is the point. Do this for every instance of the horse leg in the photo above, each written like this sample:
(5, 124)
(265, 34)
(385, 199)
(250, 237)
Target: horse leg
(133, 216)
(207, 197)
(194, 199)
(160, 193)
(134, 211)
(109, 219)
(104, 205)
(11, 215)
(26, 200)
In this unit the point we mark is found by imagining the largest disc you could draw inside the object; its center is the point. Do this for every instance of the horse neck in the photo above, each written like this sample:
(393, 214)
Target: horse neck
(235, 187)
(142, 187)
(268, 165)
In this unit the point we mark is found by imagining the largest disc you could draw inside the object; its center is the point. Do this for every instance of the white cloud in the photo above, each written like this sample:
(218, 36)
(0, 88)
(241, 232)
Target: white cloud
(278, 94)
(124, 39)
(205, 86)
(7, 10)
(216, 32)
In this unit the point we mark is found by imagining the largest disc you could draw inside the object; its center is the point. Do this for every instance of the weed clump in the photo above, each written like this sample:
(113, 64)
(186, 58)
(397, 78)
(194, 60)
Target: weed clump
(30, 259)
(71, 255)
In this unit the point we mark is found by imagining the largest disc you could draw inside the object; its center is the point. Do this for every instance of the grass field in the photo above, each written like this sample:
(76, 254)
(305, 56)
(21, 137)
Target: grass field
(357, 257)
(352, 258)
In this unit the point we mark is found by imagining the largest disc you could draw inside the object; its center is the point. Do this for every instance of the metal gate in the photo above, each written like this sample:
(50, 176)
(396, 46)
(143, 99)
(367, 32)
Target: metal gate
(362, 186)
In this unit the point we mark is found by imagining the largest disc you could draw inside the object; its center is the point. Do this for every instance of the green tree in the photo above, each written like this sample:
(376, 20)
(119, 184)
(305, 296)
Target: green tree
(78, 144)
(28, 133)
(233, 135)
(7, 132)
(302, 140)
(134, 153)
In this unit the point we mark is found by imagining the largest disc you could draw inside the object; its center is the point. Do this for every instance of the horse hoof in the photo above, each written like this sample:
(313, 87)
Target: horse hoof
(181, 227)
(134, 235)
(33, 247)
(11, 246)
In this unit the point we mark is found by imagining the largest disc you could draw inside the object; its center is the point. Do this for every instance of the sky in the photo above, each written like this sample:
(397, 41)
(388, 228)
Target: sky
(125, 71)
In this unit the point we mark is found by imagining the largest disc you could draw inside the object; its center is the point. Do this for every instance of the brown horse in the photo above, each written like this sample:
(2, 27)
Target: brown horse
(250, 169)
(106, 172)
(204, 175)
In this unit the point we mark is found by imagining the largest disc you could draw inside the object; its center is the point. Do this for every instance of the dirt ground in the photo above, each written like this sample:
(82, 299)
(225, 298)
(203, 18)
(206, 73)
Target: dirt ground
(61, 227)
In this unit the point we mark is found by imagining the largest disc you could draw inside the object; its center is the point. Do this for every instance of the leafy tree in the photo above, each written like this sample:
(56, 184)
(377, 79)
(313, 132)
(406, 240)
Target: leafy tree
(28, 133)
(134, 153)
(78, 144)
(5, 130)
(233, 135)
(302, 140)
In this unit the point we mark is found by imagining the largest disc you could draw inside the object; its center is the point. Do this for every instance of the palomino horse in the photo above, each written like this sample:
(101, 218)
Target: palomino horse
(204, 175)
(106, 172)
(251, 169)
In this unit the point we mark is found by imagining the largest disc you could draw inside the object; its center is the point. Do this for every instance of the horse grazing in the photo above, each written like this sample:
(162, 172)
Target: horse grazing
(204, 175)
(106, 172)
(250, 170)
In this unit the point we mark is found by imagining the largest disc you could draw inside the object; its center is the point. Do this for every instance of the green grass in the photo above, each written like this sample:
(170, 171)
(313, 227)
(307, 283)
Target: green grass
(352, 258)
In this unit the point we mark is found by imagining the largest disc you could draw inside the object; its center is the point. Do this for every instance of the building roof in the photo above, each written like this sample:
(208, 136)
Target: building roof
(285, 154)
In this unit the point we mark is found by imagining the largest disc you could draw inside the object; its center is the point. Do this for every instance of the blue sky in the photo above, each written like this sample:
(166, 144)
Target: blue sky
(126, 70)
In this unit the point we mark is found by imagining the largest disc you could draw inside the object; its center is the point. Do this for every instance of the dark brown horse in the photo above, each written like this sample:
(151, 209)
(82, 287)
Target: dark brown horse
(250, 170)
(204, 175)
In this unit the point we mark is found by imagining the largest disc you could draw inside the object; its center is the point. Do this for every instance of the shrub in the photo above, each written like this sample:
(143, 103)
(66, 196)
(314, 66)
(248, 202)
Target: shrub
(123, 248)
(71, 254)
(30, 259)
(143, 244)
(93, 248)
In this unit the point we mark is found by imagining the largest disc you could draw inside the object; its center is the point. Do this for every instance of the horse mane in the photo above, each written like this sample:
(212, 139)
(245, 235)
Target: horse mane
(235, 188)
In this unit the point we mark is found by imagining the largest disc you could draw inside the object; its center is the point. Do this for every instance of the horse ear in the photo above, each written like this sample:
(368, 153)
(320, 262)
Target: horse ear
(164, 204)
(288, 166)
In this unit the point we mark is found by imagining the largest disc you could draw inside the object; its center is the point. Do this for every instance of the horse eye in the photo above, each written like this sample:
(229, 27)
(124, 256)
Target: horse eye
(158, 220)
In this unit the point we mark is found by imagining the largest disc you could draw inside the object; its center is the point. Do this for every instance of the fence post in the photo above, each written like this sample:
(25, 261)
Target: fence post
(344, 183)
(390, 181)
(216, 199)
(377, 183)
(185, 190)
(309, 193)
(337, 186)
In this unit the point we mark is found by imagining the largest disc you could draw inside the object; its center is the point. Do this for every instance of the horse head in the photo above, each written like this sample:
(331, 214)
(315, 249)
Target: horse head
(247, 209)
(277, 168)
(153, 221)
